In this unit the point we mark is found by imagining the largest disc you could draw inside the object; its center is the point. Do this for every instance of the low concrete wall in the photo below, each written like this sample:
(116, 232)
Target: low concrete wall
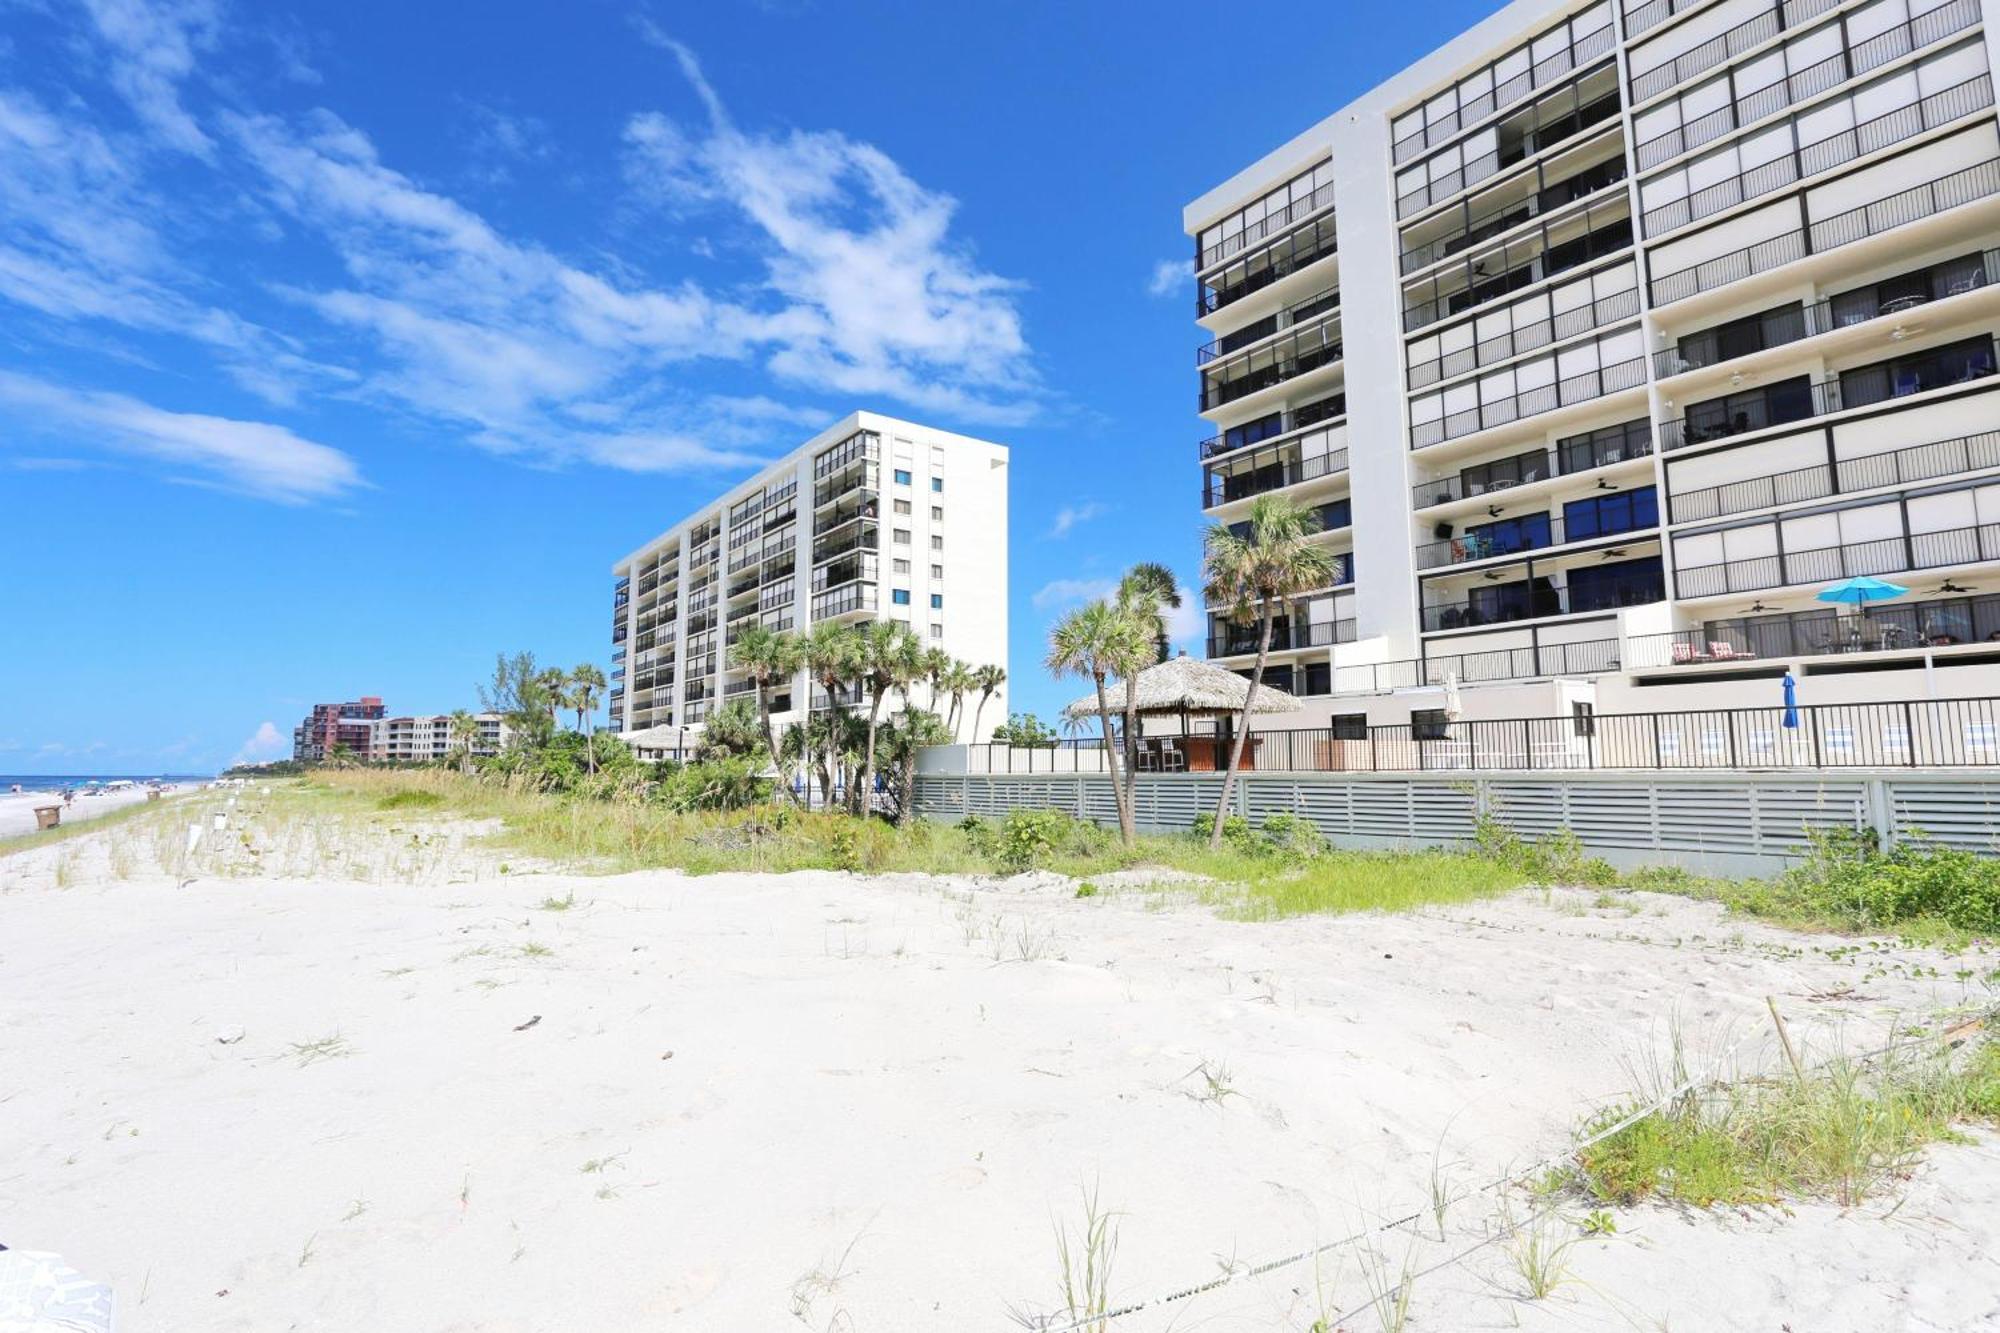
(1734, 823)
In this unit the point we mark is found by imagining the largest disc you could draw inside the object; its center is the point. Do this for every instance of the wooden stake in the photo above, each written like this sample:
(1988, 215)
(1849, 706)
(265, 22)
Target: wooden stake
(1785, 1038)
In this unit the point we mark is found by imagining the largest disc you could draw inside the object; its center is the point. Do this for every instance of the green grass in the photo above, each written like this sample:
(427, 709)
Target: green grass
(1845, 1132)
(63, 832)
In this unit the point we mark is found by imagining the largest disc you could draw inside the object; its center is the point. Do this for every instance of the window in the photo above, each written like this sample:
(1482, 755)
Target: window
(901, 597)
(902, 506)
(902, 567)
(937, 543)
(937, 513)
(902, 476)
(1583, 718)
(937, 601)
(937, 631)
(1614, 511)
(937, 571)
(1350, 726)
(937, 483)
(1429, 724)
(902, 536)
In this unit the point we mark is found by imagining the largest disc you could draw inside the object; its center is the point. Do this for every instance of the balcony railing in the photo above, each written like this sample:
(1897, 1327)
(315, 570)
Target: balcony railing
(1550, 133)
(1273, 222)
(1823, 155)
(1545, 536)
(1482, 221)
(1790, 402)
(1937, 623)
(1540, 602)
(1298, 312)
(1556, 245)
(1291, 356)
(1557, 64)
(1331, 409)
(1586, 658)
(1978, 181)
(1967, 453)
(1526, 338)
(1827, 564)
(841, 601)
(1242, 642)
(1582, 453)
(1531, 402)
(1726, 46)
(1270, 469)
(1260, 268)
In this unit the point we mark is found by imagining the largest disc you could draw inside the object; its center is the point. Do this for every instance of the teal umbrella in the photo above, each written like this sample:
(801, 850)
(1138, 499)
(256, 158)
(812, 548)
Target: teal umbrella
(1860, 591)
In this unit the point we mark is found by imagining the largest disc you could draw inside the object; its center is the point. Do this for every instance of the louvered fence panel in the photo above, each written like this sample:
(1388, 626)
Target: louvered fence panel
(1786, 812)
(1530, 809)
(1965, 815)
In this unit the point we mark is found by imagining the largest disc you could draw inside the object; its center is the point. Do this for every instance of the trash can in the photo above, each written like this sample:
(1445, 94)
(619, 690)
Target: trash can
(48, 816)
(153, 794)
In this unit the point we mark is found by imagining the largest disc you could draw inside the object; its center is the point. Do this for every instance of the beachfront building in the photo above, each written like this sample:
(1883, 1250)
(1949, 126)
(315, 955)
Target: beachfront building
(1684, 310)
(431, 738)
(871, 519)
(348, 724)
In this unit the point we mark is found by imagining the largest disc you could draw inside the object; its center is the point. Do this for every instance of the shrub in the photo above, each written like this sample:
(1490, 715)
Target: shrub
(1029, 838)
(410, 800)
(1292, 836)
(1846, 880)
(1236, 832)
(713, 784)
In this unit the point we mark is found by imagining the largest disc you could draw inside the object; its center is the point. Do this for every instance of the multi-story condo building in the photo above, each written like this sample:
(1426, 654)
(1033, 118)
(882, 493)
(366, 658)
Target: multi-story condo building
(350, 724)
(872, 519)
(1681, 311)
(430, 738)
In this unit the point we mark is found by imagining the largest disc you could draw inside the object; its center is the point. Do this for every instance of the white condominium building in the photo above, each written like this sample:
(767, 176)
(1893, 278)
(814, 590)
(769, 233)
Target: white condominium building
(872, 519)
(1670, 314)
(429, 738)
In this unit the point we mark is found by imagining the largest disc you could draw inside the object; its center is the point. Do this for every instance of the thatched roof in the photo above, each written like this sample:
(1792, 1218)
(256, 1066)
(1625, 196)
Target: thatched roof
(655, 738)
(1187, 685)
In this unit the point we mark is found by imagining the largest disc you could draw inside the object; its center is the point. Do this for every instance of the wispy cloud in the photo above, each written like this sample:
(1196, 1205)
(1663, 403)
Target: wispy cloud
(1058, 593)
(265, 744)
(250, 457)
(1170, 276)
(1070, 516)
(150, 46)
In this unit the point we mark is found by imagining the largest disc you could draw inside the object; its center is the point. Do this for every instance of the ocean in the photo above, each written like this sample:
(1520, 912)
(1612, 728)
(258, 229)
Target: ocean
(65, 781)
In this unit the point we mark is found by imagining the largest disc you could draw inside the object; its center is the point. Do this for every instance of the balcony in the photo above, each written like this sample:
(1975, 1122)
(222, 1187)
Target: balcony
(1896, 467)
(1259, 269)
(1561, 243)
(1603, 587)
(1802, 399)
(1526, 338)
(1227, 640)
(866, 537)
(1530, 402)
(845, 570)
(1829, 564)
(1505, 82)
(1273, 221)
(1575, 109)
(858, 597)
(1794, 323)
(1591, 657)
(1542, 188)
(1292, 463)
(1726, 46)
(1274, 425)
(1891, 627)
(1577, 454)
(1810, 82)
(1979, 181)
(1607, 514)
(1251, 372)
(1312, 307)
(1823, 155)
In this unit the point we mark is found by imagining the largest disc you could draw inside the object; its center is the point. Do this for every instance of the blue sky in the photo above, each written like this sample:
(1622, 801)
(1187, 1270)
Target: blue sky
(342, 346)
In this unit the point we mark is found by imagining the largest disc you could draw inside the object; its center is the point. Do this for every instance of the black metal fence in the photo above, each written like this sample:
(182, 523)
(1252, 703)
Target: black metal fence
(1938, 733)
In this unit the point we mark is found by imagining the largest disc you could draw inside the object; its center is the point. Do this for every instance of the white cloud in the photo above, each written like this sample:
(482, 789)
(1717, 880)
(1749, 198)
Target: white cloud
(1170, 276)
(265, 744)
(1186, 623)
(251, 457)
(1069, 516)
(1068, 592)
(151, 46)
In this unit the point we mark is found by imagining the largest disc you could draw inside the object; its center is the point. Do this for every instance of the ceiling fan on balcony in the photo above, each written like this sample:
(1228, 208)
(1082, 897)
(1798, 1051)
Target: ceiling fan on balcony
(1615, 553)
(1757, 608)
(1950, 586)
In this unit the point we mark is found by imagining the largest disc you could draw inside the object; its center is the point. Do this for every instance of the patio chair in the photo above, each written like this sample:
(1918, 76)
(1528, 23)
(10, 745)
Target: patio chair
(1172, 760)
(1723, 652)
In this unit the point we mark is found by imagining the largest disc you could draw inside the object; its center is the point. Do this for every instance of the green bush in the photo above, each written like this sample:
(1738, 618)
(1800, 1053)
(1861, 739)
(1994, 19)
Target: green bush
(713, 784)
(1292, 836)
(1560, 858)
(410, 800)
(1236, 832)
(1847, 880)
(1029, 838)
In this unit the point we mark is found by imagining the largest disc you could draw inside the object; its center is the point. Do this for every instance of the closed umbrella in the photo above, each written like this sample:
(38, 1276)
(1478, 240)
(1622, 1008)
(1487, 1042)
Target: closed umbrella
(1791, 702)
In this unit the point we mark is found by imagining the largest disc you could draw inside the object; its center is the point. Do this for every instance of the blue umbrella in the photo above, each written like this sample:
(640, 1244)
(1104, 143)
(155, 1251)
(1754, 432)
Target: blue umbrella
(1791, 701)
(1860, 591)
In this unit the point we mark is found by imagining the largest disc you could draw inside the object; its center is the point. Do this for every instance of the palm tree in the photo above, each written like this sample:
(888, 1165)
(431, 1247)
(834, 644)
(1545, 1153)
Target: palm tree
(958, 682)
(988, 678)
(902, 739)
(1251, 575)
(770, 657)
(1096, 642)
(1143, 595)
(891, 658)
(831, 652)
(552, 686)
(586, 682)
(464, 738)
(937, 664)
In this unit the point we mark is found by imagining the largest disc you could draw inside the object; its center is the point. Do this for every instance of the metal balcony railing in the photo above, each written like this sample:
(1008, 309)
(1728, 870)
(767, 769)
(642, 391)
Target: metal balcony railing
(1269, 469)
(1482, 221)
(1582, 453)
(1258, 269)
(1510, 150)
(1727, 46)
(1934, 623)
(1331, 409)
(1827, 564)
(1557, 244)
(1896, 467)
(1547, 535)
(1271, 224)
(1505, 92)
(1298, 312)
(1531, 402)
(1250, 372)
(1234, 641)
(1526, 338)
(1538, 602)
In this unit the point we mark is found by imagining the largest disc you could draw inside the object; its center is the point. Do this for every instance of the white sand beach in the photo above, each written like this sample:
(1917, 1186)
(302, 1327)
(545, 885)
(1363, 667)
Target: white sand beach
(17, 813)
(764, 1102)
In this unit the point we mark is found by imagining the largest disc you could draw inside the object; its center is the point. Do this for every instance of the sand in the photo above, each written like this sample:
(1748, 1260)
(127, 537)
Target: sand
(17, 813)
(762, 1103)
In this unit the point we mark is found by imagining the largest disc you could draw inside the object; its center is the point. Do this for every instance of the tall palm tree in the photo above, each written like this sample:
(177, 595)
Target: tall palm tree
(1144, 595)
(891, 657)
(464, 738)
(552, 686)
(988, 678)
(1252, 575)
(831, 653)
(586, 683)
(937, 664)
(770, 657)
(1096, 642)
(958, 683)
(902, 739)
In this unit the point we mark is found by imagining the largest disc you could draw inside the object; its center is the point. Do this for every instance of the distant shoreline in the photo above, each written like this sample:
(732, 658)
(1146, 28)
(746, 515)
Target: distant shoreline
(60, 782)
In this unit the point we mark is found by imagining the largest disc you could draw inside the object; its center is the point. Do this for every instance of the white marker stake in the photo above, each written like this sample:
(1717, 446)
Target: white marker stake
(221, 823)
(194, 838)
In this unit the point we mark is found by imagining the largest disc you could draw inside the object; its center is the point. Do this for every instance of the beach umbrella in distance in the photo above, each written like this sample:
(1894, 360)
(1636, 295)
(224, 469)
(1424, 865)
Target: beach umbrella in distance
(1791, 701)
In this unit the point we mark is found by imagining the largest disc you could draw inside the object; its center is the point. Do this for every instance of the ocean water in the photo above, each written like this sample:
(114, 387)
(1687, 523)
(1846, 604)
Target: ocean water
(65, 781)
